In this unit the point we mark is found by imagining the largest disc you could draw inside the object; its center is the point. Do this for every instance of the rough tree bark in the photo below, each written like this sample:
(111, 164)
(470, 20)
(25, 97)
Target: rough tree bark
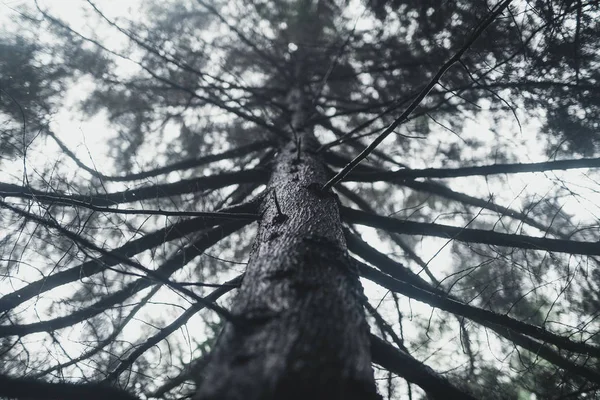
(303, 333)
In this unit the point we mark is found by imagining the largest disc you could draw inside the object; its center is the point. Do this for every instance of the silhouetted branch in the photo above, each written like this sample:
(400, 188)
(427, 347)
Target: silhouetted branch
(415, 103)
(403, 364)
(537, 348)
(172, 327)
(105, 342)
(178, 166)
(485, 317)
(104, 262)
(192, 371)
(184, 186)
(541, 350)
(394, 176)
(469, 234)
(202, 215)
(157, 275)
(443, 191)
(362, 204)
(160, 275)
(384, 326)
(33, 389)
(393, 268)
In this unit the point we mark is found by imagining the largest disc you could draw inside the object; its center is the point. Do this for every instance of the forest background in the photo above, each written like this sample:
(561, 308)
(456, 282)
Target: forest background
(143, 151)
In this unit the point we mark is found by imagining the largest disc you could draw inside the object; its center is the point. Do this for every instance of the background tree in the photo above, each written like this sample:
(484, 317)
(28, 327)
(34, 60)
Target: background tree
(246, 133)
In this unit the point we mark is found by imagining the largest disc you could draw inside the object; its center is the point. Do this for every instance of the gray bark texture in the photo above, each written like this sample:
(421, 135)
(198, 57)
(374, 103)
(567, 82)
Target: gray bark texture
(303, 333)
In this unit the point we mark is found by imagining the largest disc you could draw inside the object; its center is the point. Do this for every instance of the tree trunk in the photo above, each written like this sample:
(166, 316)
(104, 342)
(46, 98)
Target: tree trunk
(303, 333)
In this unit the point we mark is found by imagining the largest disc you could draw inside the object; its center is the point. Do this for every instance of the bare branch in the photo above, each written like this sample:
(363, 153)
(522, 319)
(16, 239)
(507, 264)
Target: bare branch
(395, 176)
(105, 342)
(485, 317)
(415, 103)
(362, 204)
(535, 347)
(384, 263)
(33, 389)
(469, 234)
(403, 364)
(203, 215)
(172, 327)
(160, 277)
(444, 191)
(100, 264)
(178, 166)
(143, 193)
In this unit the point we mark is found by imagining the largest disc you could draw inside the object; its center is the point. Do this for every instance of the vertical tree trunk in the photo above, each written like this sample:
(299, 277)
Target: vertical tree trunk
(304, 333)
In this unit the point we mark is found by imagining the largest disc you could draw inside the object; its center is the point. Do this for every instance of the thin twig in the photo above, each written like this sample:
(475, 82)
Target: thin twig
(415, 103)
(153, 274)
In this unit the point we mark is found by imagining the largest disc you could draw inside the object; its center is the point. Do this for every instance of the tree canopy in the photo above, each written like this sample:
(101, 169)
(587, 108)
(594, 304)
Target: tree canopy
(139, 145)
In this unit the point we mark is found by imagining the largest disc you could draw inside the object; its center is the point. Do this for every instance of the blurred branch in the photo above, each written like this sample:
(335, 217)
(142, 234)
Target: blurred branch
(178, 166)
(144, 45)
(33, 389)
(210, 100)
(267, 57)
(192, 371)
